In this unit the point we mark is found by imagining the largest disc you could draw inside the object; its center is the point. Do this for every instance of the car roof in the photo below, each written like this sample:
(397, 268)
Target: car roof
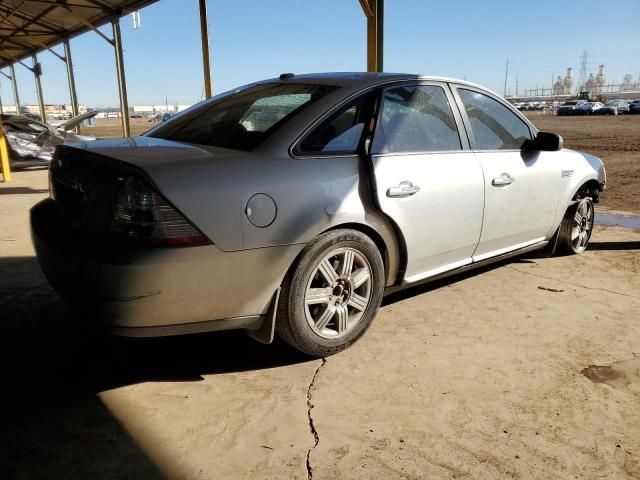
(359, 80)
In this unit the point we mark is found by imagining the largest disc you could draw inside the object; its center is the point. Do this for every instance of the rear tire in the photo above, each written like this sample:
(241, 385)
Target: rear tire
(576, 227)
(330, 297)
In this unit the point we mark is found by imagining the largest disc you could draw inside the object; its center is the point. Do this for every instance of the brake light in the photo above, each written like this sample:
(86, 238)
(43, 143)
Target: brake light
(142, 214)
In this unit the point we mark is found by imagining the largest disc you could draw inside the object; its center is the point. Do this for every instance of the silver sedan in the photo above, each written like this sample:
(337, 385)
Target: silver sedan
(293, 205)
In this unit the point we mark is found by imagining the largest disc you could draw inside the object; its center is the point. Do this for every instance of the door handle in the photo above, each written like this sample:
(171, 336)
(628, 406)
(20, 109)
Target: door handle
(502, 180)
(405, 189)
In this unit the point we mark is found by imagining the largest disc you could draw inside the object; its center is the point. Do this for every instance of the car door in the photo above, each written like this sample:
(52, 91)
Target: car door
(426, 179)
(521, 188)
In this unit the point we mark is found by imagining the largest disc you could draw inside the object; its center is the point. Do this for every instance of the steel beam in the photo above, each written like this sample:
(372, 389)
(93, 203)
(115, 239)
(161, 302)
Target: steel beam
(374, 11)
(380, 35)
(204, 36)
(14, 84)
(122, 83)
(70, 77)
(37, 71)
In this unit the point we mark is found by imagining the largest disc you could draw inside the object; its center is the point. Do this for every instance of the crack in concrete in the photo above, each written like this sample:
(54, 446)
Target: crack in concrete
(312, 428)
(571, 283)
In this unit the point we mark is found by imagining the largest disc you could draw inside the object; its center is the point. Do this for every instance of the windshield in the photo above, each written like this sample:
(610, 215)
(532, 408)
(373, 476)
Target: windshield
(23, 125)
(243, 119)
(570, 103)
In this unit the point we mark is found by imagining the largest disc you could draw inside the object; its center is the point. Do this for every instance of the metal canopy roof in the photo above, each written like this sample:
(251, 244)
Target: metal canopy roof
(28, 26)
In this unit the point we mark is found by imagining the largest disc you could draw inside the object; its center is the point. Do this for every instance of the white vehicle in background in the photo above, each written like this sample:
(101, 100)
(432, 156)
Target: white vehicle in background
(588, 108)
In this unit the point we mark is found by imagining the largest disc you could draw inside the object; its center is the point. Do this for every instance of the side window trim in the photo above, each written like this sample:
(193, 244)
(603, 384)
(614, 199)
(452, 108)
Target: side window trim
(467, 123)
(455, 110)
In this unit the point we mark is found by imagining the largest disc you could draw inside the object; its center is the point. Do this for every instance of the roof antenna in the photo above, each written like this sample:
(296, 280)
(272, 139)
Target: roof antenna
(286, 76)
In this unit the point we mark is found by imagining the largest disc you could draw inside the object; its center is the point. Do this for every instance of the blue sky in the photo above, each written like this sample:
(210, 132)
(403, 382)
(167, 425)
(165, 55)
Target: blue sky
(256, 39)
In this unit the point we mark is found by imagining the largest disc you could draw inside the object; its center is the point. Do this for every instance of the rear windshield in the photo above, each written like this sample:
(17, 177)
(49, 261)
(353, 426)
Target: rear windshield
(241, 120)
(570, 103)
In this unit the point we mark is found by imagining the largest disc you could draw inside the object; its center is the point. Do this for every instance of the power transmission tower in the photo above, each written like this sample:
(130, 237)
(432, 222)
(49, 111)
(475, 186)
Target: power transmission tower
(584, 62)
(506, 75)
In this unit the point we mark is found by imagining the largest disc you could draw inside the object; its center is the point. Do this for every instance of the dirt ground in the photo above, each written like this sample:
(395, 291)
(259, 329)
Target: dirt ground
(110, 127)
(615, 139)
(529, 369)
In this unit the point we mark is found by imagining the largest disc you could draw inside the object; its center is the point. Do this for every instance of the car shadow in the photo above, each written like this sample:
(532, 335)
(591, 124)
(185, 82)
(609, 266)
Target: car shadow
(21, 190)
(39, 331)
(54, 363)
(413, 291)
(614, 246)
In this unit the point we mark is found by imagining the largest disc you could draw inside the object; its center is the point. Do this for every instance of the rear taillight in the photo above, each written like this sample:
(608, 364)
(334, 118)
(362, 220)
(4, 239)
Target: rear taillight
(143, 215)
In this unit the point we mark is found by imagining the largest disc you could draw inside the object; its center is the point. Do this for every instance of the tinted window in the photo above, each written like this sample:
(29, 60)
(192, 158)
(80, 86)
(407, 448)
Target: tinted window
(494, 126)
(241, 120)
(416, 119)
(341, 133)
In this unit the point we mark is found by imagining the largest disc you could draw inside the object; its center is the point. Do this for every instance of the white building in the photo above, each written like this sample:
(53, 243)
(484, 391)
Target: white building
(159, 108)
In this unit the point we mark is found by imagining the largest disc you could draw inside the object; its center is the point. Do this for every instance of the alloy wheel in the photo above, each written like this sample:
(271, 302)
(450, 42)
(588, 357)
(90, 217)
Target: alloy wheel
(582, 226)
(338, 292)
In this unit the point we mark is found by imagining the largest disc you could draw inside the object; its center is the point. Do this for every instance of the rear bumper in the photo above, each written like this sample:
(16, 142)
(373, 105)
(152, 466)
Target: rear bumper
(157, 291)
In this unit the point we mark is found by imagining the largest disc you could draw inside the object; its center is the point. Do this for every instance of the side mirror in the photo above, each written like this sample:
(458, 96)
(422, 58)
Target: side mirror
(544, 142)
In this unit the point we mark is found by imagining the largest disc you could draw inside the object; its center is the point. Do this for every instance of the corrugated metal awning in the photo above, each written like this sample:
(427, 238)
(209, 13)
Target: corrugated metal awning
(28, 26)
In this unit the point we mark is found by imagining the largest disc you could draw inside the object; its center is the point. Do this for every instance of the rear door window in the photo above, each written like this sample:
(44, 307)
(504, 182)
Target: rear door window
(416, 118)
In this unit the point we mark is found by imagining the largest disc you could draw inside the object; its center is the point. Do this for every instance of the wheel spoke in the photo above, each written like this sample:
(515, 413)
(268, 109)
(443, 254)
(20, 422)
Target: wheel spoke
(347, 263)
(328, 272)
(326, 317)
(317, 295)
(575, 232)
(358, 302)
(583, 209)
(343, 317)
(585, 239)
(360, 276)
(578, 218)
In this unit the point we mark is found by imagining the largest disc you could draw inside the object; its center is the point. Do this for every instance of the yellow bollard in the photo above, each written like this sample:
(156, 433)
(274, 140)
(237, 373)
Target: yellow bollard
(4, 156)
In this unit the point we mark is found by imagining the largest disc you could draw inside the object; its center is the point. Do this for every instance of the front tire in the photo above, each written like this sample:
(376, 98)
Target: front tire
(330, 297)
(576, 227)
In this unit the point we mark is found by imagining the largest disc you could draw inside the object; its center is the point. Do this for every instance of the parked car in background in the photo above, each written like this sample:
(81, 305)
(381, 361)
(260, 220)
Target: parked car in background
(571, 107)
(588, 108)
(634, 107)
(614, 107)
(358, 185)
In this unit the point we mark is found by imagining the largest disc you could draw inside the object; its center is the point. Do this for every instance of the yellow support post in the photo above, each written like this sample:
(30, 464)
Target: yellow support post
(204, 36)
(374, 12)
(4, 156)
(372, 38)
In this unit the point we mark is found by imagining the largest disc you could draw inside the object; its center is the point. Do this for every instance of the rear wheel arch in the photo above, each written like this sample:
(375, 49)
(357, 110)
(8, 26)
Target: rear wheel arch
(385, 250)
